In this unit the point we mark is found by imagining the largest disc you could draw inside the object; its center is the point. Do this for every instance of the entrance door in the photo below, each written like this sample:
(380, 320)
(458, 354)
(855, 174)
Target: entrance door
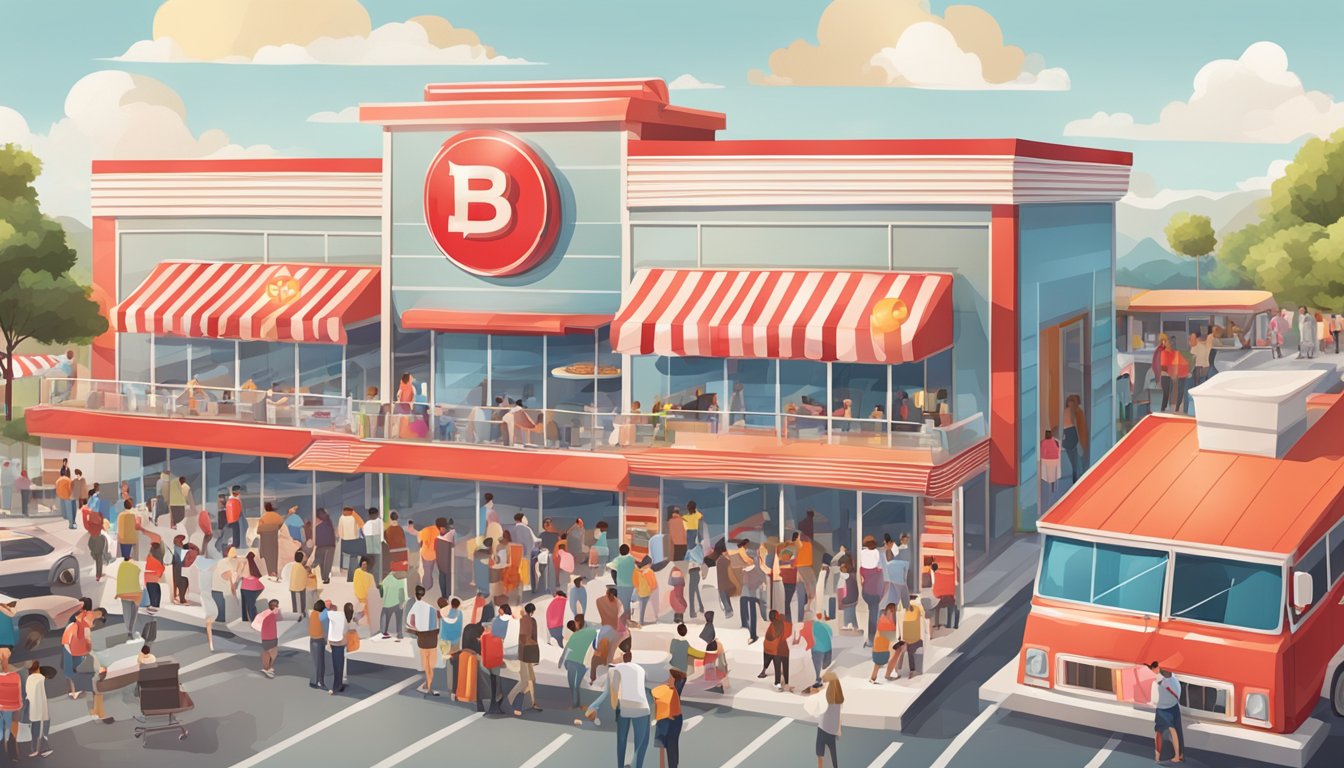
(1064, 371)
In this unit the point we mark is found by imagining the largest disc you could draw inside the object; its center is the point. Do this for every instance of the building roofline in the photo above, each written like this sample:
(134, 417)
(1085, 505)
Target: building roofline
(243, 165)
(879, 147)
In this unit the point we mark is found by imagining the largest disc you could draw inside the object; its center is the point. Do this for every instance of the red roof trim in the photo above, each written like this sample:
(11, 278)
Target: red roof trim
(498, 112)
(839, 147)
(244, 165)
(462, 321)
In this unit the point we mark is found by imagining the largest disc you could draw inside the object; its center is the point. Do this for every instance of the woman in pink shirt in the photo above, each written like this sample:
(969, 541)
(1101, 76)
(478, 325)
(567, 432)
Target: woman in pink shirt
(555, 617)
(1050, 459)
(268, 623)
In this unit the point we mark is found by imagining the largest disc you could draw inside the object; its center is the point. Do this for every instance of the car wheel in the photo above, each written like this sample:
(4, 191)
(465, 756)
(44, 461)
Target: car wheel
(1337, 691)
(65, 573)
(31, 632)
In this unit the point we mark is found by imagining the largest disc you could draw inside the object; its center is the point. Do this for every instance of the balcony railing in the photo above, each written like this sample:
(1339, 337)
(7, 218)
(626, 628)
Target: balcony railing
(552, 428)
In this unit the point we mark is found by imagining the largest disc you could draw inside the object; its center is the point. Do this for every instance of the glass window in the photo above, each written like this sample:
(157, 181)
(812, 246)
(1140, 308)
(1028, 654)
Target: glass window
(422, 500)
(938, 385)
(865, 387)
(696, 384)
(566, 505)
(883, 515)
(287, 487)
(752, 393)
(1336, 553)
(563, 392)
(829, 506)
(517, 373)
(1103, 574)
(907, 381)
(363, 354)
(1314, 563)
(266, 364)
(18, 548)
(320, 368)
(753, 512)
(802, 386)
(1231, 592)
(708, 499)
(975, 517)
(337, 491)
(133, 350)
(171, 360)
(213, 362)
(511, 500)
(648, 381)
(461, 375)
(608, 388)
(225, 470)
(188, 464)
(152, 466)
(131, 471)
(410, 354)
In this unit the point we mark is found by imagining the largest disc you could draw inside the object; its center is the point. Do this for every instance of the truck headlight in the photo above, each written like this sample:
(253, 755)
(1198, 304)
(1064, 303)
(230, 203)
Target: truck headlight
(1037, 663)
(1257, 707)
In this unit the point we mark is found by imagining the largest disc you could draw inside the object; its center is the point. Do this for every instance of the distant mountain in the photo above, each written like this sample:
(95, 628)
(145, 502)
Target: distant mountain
(1149, 265)
(1145, 218)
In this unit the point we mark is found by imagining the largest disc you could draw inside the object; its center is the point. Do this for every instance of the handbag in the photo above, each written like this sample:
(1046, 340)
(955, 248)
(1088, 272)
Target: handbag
(351, 641)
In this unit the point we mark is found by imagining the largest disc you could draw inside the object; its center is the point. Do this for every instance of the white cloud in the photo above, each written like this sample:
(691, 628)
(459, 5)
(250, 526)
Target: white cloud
(1273, 173)
(347, 115)
(1252, 99)
(689, 82)
(303, 32)
(901, 43)
(112, 115)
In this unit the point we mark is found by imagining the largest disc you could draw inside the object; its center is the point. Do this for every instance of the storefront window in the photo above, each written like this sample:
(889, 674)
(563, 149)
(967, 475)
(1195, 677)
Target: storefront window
(155, 461)
(802, 385)
(511, 500)
(696, 383)
(907, 382)
(608, 386)
(516, 373)
(753, 512)
(171, 360)
(188, 464)
(831, 523)
(886, 515)
(461, 362)
(225, 470)
(266, 364)
(565, 505)
(751, 397)
(133, 350)
(865, 387)
(708, 498)
(320, 367)
(975, 519)
(648, 381)
(563, 392)
(213, 362)
(363, 353)
(410, 354)
(285, 487)
(131, 471)
(422, 500)
(938, 387)
(337, 491)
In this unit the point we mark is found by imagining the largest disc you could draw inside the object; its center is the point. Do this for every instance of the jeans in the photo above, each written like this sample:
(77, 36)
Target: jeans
(543, 580)
(558, 634)
(318, 647)
(693, 592)
(445, 577)
(236, 534)
(69, 663)
(641, 724)
(1180, 395)
(249, 601)
(820, 660)
(155, 592)
(388, 613)
(574, 674)
(789, 591)
(871, 601)
(826, 741)
(851, 615)
(953, 612)
(727, 603)
(126, 550)
(24, 496)
(1071, 444)
(781, 664)
(219, 605)
(627, 596)
(643, 606)
(68, 511)
(129, 609)
(97, 551)
(337, 667)
(298, 602)
(667, 735)
(747, 607)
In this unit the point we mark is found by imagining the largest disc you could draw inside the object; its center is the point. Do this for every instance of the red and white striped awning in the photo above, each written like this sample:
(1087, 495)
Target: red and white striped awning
(333, 455)
(784, 314)
(31, 365)
(252, 302)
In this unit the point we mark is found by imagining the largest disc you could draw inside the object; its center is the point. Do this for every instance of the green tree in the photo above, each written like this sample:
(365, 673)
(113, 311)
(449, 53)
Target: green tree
(1296, 249)
(38, 298)
(1191, 235)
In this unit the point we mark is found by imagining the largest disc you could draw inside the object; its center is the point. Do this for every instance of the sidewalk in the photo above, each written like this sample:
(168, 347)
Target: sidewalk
(886, 706)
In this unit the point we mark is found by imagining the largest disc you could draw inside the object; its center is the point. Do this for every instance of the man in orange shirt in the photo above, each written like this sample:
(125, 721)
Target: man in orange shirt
(428, 538)
(945, 590)
(233, 515)
(65, 493)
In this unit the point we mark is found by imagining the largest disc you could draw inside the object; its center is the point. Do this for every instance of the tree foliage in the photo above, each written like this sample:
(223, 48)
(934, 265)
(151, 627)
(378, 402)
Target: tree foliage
(38, 298)
(1190, 234)
(1296, 249)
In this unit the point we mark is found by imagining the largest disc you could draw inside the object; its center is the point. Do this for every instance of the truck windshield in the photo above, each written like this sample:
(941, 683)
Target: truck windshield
(1107, 575)
(1231, 592)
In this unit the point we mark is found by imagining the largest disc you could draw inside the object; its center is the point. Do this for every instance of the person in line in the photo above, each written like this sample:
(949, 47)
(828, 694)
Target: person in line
(233, 516)
(695, 563)
(366, 592)
(624, 567)
(529, 655)
(679, 653)
(394, 601)
(268, 624)
(294, 526)
(667, 719)
(318, 628)
(324, 544)
(492, 664)
(373, 541)
(945, 591)
(450, 638)
(753, 580)
(79, 488)
(207, 528)
(394, 542)
(349, 531)
(93, 526)
(11, 705)
(338, 629)
(250, 587)
(776, 648)
(872, 582)
(423, 621)
(786, 558)
(625, 692)
(896, 571)
(154, 568)
(847, 594)
(646, 589)
(555, 618)
(1306, 334)
(817, 634)
(914, 631)
(268, 529)
(128, 529)
(65, 496)
(578, 598)
(226, 577)
(1167, 717)
(444, 545)
(1076, 433)
(428, 538)
(828, 724)
(39, 713)
(581, 640)
(179, 557)
(298, 577)
(676, 594)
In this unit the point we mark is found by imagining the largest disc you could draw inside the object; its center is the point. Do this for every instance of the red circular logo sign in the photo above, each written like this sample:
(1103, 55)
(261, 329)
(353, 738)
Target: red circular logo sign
(491, 204)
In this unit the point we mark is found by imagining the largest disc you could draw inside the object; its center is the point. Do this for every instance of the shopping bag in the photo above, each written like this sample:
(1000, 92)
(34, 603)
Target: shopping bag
(466, 676)
(351, 641)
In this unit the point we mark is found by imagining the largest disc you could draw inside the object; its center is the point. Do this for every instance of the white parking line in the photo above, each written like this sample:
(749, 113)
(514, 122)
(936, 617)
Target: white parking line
(884, 758)
(1100, 758)
(429, 741)
(694, 721)
(342, 716)
(546, 751)
(207, 661)
(962, 738)
(760, 741)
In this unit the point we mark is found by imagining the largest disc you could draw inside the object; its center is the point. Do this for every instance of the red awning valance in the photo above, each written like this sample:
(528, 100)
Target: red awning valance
(252, 302)
(786, 314)
(333, 455)
(531, 323)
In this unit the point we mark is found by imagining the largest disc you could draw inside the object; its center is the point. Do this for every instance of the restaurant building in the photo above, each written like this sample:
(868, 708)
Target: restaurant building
(876, 331)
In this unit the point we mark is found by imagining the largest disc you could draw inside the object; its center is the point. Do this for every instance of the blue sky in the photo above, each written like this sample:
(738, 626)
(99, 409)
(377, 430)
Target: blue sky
(1120, 57)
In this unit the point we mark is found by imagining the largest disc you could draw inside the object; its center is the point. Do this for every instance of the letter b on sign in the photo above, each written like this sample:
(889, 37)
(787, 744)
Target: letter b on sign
(491, 204)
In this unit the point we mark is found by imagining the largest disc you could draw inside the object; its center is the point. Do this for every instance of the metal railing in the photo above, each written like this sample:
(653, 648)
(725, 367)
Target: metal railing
(551, 428)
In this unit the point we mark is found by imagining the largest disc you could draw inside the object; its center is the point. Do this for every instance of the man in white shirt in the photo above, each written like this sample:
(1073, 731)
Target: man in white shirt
(373, 541)
(625, 691)
(1168, 715)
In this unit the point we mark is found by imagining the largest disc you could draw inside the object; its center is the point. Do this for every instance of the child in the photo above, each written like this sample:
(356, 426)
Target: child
(145, 658)
(1050, 459)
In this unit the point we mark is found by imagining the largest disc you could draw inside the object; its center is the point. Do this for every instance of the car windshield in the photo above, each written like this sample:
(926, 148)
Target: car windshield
(1231, 592)
(1107, 575)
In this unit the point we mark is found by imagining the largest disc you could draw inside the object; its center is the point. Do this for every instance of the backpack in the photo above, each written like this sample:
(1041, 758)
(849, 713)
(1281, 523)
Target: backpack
(351, 641)
(492, 650)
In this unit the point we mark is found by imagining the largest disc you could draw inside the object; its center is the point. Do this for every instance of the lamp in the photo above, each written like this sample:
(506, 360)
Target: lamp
(888, 314)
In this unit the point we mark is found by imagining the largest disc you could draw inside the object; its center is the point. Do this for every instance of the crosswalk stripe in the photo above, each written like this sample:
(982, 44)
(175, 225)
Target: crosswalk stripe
(1105, 753)
(694, 721)
(759, 742)
(547, 751)
(884, 758)
(962, 738)
(429, 741)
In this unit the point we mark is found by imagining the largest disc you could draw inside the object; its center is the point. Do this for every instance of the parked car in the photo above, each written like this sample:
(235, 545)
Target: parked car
(31, 558)
(35, 616)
